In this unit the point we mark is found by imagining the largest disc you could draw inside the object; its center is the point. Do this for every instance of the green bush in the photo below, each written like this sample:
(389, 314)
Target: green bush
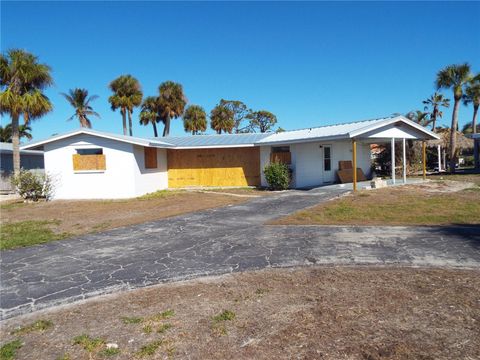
(277, 176)
(31, 186)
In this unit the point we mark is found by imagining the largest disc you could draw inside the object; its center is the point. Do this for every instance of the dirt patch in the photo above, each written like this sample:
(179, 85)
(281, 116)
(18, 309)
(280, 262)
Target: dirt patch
(80, 217)
(306, 313)
(446, 186)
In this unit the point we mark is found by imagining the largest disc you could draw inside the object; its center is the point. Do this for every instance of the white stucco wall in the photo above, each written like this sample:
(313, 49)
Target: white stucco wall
(125, 175)
(307, 161)
(149, 180)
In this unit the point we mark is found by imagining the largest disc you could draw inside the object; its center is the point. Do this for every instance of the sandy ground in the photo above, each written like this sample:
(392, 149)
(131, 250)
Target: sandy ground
(302, 313)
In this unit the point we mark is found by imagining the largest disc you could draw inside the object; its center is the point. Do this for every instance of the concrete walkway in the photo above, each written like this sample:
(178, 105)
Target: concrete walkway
(216, 241)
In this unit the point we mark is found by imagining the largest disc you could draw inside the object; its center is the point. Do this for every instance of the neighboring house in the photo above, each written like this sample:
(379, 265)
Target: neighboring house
(93, 164)
(29, 160)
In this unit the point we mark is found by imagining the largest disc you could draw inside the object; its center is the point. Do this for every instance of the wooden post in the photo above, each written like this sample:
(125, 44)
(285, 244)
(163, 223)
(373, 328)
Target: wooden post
(424, 159)
(354, 162)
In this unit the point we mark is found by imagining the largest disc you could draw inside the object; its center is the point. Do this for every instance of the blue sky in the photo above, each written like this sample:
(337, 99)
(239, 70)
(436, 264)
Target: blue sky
(311, 63)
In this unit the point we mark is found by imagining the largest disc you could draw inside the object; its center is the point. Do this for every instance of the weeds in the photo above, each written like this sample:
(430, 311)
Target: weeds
(225, 315)
(163, 315)
(163, 328)
(150, 348)
(40, 325)
(9, 350)
(109, 352)
(90, 344)
(132, 320)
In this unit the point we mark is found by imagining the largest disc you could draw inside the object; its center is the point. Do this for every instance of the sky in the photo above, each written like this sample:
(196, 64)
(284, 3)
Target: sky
(309, 63)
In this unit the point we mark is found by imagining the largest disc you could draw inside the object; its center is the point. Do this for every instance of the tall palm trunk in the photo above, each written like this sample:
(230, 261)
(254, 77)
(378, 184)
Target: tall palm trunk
(124, 120)
(434, 119)
(130, 122)
(453, 135)
(474, 120)
(155, 132)
(166, 129)
(15, 144)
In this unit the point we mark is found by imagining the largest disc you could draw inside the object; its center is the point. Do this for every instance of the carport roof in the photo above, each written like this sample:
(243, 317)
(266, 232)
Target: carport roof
(341, 131)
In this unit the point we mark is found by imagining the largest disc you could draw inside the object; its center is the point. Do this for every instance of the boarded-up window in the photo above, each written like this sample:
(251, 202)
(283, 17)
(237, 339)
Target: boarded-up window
(89, 160)
(281, 154)
(150, 158)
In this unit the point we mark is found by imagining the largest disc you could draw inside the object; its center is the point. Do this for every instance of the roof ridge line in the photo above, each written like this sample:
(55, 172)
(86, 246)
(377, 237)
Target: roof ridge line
(340, 124)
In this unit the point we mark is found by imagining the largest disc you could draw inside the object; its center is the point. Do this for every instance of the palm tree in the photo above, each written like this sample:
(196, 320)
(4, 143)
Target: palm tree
(195, 119)
(80, 101)
(435, 101)
(22, 80)
(222, 119)
(472, 95)
(127, 94)
(149, 113)
(420, 117)
(454, 77)
(171, 102)
(24, 131)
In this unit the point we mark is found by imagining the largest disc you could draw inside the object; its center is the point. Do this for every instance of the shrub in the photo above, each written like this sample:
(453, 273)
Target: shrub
(31, 186)
(277, 176)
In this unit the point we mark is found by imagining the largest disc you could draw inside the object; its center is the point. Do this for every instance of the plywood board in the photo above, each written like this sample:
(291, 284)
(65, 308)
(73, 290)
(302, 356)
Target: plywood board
(88, 162)
(150, 158)
(346, 175)
(343, 165)
(214, 167)
(281, 157)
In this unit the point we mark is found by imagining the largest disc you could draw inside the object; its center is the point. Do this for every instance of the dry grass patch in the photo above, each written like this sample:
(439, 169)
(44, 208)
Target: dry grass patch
(25, 224)
(438, 203)
(306, 313)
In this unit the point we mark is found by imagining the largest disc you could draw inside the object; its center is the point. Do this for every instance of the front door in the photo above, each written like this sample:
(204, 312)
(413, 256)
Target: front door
(327, 164)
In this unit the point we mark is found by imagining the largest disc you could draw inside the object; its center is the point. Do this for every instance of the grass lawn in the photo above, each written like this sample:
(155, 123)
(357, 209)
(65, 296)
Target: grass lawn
(25, 224)
(304, 313)
(436, 203)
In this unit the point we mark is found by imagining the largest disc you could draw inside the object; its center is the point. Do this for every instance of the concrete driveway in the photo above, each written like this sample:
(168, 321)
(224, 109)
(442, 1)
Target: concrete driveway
(216, 241)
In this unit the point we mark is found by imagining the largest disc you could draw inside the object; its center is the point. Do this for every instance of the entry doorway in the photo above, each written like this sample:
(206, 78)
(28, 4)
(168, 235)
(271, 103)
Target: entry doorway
(328, 175)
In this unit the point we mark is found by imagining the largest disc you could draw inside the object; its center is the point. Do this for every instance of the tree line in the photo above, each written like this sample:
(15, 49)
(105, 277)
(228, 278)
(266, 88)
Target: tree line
(466, 89)
(23, 80)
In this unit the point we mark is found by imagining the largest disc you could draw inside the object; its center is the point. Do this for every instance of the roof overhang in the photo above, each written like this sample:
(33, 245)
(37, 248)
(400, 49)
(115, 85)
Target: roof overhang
(126, 139)
(304, 140)
(396, 121)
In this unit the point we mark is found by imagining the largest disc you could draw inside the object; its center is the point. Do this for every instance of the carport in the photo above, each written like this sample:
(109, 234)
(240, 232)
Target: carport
(390, 132)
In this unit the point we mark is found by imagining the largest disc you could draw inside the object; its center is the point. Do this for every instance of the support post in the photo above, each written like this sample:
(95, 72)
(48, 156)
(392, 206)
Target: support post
(424, 159)
(439, 154)
(444, 159)
(393, 160)
(404, 161)
(354, 163)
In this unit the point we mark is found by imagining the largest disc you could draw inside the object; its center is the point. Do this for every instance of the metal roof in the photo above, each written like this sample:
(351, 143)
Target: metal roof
(7, 148)
(329, 132)
(338, 131)
(223, 140)
(122, 138)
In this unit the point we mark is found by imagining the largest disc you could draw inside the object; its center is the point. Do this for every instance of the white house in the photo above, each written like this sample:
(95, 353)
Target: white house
(89, 164)
(29, 160)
